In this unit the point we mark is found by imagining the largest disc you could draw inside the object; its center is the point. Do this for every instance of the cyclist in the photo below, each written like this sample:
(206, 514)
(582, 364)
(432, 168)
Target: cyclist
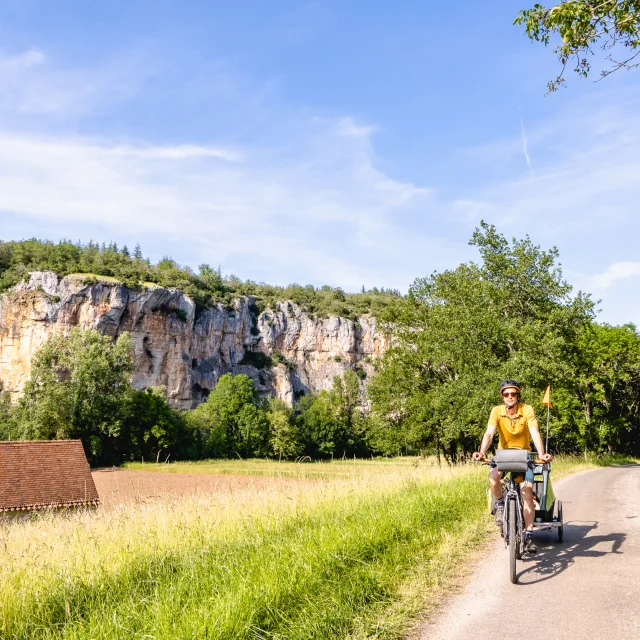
(516, 425)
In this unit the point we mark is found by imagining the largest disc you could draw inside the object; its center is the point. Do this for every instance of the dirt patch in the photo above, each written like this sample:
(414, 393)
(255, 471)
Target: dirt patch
(121, 486)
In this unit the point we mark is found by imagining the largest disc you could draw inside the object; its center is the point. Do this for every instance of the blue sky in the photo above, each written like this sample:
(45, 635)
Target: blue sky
(319, 142)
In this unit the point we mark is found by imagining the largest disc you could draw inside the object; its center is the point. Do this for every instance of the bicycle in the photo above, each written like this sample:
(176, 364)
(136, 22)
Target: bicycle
(514, 463)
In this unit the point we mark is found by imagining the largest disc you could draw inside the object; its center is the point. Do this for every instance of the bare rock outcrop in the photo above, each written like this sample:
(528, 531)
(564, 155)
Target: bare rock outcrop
(285, 351)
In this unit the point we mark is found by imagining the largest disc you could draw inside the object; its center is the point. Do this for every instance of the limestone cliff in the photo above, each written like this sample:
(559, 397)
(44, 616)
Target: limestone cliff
(183, 350)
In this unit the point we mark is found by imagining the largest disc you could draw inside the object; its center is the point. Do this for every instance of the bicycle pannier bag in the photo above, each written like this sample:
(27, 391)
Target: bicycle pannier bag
(514, 460)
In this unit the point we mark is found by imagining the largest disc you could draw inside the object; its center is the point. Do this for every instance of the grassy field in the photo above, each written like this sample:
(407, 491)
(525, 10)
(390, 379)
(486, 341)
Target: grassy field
(344, 469)
(304, 469)
(352, 556)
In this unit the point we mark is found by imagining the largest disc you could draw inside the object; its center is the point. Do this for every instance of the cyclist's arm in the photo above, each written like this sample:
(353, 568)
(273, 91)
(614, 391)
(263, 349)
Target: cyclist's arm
(534, 431)
(487, 438)
(537, 440)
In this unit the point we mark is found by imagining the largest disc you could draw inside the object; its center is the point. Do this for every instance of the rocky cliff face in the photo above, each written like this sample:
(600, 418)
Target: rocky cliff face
(179, 349)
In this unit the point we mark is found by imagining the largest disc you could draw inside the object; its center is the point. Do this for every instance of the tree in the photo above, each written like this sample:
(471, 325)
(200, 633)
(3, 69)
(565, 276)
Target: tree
(77, 388)
(347, 398)
(321, 431)
(613, 26)
(604, 405)
(332, 422)
(150, 428)
(458, 333)
(232, 421)
(210, 276)
(6, 415)
(284, 438)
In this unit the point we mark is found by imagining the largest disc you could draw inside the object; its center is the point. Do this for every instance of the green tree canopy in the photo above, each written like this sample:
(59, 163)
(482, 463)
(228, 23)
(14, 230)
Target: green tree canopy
(332, 422)
(77, 388)
(458, 333)
(151, 429)
(284, 438)
(6, 416)
(600, 405)
(232, 421)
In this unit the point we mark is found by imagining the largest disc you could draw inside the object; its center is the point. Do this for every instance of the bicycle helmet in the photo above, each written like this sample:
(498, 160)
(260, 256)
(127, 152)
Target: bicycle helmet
(509, 384)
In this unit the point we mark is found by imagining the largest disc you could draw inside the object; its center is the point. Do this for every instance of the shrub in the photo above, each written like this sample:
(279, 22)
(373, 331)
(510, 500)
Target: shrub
(256, 359)
(360, 372)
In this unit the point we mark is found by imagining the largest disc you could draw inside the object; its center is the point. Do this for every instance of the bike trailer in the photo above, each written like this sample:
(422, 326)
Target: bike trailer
(543, 492)
(518, 461)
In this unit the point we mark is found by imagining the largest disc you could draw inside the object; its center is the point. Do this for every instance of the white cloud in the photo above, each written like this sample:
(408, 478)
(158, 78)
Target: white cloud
(348, 127)
(307, 199)
(310, 201)
(29, 58)
(602, 282)
(32, 85)
(323, 212)
(181, 152)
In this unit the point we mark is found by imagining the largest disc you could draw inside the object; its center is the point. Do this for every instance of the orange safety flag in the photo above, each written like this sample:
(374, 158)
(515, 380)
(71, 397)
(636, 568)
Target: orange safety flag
(546, 400)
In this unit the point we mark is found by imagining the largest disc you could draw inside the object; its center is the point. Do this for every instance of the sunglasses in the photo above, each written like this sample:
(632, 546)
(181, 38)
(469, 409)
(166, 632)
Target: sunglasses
(510, 394)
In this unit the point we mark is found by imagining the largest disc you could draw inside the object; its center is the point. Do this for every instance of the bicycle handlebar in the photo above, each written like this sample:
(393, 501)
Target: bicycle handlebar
(491, 460)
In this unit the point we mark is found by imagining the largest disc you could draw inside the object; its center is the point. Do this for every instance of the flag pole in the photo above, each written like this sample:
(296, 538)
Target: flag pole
(546, 446)
(546, 400)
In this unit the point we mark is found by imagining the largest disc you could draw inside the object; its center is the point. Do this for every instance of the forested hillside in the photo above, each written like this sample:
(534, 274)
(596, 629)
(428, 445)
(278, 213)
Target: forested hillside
(207, 287)
(455, 336)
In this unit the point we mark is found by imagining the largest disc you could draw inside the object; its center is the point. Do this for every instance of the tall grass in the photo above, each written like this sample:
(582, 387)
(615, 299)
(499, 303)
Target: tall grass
(349, 558)
(301, 563)
(305, 468)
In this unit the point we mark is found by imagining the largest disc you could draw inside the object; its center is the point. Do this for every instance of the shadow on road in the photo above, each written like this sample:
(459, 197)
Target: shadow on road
(554, 557)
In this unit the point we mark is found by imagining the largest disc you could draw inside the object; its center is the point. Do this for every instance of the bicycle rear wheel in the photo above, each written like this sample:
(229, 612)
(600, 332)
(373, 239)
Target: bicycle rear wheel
(513, 541)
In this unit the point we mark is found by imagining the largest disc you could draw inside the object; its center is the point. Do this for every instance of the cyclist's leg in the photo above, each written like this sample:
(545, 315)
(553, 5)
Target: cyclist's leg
(528, 502)
(494, 481)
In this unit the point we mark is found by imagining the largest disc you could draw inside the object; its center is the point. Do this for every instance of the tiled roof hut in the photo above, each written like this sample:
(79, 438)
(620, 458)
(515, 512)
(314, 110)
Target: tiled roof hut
(40, 474)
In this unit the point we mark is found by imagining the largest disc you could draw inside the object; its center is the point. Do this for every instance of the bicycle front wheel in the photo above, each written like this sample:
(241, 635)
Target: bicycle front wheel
(513, 540)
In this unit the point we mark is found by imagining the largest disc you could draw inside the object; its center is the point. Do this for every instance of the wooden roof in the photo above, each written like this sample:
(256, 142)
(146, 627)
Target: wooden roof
(35, 474)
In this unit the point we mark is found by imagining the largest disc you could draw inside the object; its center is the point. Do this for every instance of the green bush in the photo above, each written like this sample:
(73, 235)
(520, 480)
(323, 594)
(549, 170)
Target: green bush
(256, 359)
(278, 358)
(360, 372)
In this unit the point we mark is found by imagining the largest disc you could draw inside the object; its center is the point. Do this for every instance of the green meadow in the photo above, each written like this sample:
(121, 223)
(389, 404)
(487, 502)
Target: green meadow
(303, 468)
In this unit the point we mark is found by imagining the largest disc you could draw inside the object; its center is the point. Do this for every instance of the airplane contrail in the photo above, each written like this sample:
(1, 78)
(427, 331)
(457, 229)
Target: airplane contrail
(524, 145)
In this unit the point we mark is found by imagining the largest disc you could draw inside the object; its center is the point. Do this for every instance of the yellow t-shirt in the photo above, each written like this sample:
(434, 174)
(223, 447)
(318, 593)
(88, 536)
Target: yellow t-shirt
(514, 432)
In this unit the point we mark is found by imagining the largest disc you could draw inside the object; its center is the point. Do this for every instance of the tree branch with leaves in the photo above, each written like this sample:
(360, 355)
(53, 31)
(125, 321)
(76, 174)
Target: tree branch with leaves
(585, 26)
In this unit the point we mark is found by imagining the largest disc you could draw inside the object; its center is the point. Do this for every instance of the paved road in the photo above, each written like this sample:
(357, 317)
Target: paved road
(586, 587)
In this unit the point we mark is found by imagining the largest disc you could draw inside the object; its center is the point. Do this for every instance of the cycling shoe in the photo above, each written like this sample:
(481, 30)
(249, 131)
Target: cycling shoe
(530, 545)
